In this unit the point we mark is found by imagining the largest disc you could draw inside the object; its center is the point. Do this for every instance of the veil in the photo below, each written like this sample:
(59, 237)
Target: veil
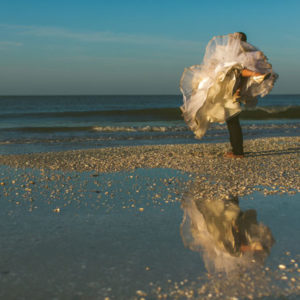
(208, 89)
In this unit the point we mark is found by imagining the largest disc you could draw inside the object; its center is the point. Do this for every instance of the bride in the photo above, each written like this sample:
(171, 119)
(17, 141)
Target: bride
(232, 72)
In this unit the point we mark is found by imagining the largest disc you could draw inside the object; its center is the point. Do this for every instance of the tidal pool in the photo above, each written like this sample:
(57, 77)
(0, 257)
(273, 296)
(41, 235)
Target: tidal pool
(87, 235)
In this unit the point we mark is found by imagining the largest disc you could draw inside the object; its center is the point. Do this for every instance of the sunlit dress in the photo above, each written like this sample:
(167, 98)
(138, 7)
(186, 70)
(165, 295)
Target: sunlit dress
(208, 89)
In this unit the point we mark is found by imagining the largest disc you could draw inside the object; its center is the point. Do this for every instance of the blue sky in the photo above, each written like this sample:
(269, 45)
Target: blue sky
(134, 47)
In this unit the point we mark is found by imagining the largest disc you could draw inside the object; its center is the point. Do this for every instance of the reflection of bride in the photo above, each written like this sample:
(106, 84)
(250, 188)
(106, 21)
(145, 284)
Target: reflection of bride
(228, 237)
(232, 70)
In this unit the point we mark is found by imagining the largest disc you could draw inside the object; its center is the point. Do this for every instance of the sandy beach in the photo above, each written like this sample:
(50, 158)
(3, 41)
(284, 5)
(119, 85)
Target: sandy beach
(104, 223)
(271, 162)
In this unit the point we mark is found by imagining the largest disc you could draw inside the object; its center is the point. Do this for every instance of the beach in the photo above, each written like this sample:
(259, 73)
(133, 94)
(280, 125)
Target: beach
(104, 223)
(149, 150)
(270, 162)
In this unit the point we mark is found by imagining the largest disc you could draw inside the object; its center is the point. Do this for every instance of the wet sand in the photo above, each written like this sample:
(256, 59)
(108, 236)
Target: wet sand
(271, 162)
(104, 223)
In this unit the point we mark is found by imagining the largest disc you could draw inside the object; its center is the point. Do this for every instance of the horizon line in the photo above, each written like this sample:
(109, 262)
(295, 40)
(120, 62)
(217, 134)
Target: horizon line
(130, 94)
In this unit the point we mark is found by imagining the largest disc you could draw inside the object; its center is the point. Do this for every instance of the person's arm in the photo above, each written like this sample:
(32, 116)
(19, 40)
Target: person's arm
(249, 73)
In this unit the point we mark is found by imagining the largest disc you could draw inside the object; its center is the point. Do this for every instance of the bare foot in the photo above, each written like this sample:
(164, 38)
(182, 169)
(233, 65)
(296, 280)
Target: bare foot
(232, 155)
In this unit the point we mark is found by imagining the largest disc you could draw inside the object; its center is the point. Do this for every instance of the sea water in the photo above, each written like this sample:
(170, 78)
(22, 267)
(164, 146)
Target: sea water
(56, 123)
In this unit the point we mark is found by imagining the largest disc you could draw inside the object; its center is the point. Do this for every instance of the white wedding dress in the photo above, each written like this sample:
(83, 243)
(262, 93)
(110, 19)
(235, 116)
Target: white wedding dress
(208, 88)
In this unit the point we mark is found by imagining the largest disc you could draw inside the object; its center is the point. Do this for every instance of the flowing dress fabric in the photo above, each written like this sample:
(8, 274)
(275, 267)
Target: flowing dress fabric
(208, 227)
(208, 89)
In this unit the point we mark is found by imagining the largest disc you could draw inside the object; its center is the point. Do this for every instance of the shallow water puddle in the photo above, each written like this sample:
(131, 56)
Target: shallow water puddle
(93, 235)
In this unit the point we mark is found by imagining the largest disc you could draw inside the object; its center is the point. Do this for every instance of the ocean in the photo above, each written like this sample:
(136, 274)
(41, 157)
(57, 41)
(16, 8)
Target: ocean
(56, 123)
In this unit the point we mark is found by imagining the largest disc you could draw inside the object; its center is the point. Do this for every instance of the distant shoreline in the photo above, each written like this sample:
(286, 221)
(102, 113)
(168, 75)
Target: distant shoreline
(113, 95)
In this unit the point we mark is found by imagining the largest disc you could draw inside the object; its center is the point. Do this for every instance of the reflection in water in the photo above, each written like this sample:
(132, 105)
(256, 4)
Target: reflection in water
(229, 238)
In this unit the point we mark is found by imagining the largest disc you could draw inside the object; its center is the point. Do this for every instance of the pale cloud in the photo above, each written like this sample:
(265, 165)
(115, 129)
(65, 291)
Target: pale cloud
(97, 36)
(9, 44)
